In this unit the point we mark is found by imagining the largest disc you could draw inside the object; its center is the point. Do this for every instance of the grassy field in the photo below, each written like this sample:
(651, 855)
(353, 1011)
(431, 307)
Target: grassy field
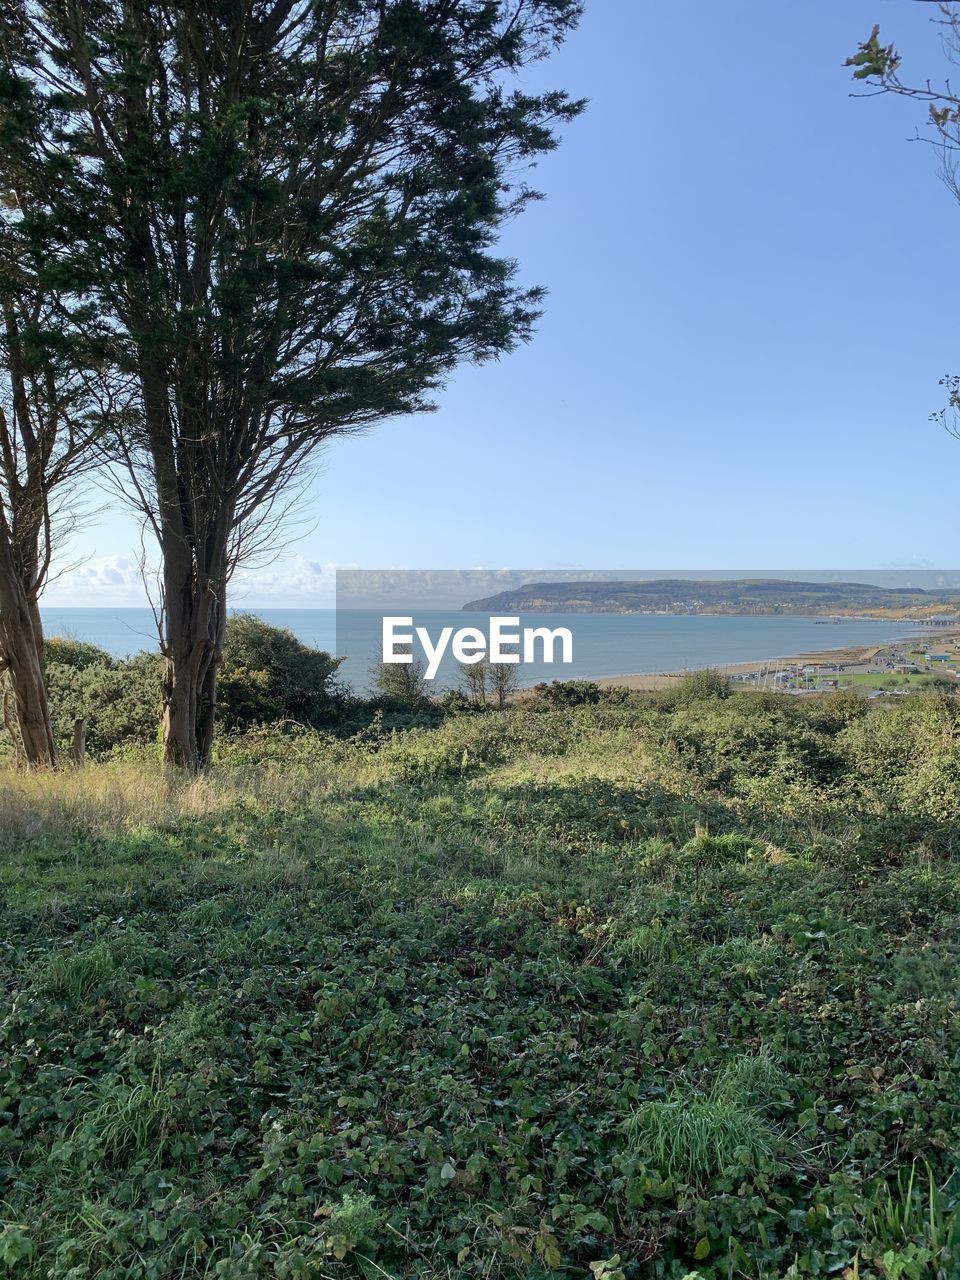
(664, 987)
(888, 680)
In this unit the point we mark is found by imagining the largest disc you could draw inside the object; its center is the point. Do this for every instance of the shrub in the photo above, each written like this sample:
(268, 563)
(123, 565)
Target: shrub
(65, 651)
(268, 675)
(564, 693)
(895, 749)
(833, 711)
(750, 737)
(400, 686)
(933, 787)
(120, 700)
(696, 686)
(454, 702)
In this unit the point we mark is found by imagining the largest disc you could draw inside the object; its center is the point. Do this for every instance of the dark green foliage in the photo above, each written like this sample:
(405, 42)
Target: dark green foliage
(831, 712)
(65, 651)
(455, 702)
(269, 675)
(564, 693)
(695, 686)
(120, 700)
(748, 737)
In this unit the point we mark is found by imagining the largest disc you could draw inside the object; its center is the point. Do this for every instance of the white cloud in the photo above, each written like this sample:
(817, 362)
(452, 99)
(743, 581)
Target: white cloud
(99, 581)
(116, 581)
(293, 581)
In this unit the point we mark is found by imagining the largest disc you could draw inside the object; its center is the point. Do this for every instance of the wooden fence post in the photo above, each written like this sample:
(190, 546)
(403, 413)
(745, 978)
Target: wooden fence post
(79, 746)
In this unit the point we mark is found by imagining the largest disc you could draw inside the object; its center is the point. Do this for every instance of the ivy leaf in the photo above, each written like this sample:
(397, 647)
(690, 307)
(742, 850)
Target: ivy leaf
(547, 1248)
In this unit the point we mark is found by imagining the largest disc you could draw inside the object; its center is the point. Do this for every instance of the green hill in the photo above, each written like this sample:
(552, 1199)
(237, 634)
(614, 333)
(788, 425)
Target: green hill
(740, 595)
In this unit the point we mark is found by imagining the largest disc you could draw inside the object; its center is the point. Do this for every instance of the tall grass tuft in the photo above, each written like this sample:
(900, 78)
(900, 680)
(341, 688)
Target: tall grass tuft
(921, 1224)
(79, 974)
(692, 1135)
(132, 1123)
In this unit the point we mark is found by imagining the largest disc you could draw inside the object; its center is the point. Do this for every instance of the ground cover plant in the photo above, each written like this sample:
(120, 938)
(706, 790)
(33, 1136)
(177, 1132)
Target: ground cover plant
(594, 986)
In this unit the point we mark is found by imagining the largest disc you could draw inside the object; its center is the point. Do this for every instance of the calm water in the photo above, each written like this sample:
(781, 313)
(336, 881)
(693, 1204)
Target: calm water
(603, 644)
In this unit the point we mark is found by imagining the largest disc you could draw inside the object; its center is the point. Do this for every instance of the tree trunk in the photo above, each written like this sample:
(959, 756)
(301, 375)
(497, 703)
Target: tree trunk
(207, 708)
(21, 653)
(193, 647)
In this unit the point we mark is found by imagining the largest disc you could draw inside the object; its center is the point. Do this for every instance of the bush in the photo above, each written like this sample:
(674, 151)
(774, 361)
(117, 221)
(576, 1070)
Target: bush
(454, 702)
(400, 686)
(120, 700)
(269, 675)
(696, 686)
(563, 693)
(749, 737)
(888, 749)
(65, 651)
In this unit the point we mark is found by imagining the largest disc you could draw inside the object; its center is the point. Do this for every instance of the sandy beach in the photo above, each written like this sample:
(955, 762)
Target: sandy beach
(847, 658)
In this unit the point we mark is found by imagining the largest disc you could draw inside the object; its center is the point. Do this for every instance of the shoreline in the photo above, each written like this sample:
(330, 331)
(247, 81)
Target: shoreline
(850, 656)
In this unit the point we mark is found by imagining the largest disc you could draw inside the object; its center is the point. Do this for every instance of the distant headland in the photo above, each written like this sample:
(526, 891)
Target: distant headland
(736, 596)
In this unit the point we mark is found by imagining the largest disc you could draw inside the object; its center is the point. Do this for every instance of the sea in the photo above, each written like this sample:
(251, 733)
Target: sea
(604, 644)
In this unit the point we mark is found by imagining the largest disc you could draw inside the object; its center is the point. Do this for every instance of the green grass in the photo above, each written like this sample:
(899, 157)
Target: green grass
(634, 989)
(692, 1136)
(883, 680)
(124, 1123)
(78, 973)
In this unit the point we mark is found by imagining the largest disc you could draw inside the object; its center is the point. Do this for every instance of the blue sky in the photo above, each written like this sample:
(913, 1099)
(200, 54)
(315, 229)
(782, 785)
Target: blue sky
(751, 279)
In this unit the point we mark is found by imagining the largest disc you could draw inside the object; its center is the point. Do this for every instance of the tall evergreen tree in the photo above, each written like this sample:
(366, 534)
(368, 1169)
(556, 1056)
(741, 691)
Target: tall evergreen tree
(288, 209)
(49, 426)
